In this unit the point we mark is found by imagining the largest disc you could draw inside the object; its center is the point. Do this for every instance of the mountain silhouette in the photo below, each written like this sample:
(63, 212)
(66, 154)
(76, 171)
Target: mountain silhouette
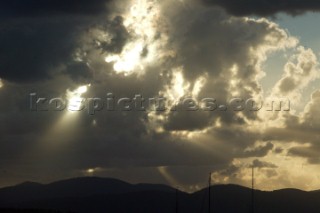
(92, 194)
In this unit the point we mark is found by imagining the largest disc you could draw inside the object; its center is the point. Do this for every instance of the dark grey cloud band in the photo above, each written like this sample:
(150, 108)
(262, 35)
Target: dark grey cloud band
(265, 7)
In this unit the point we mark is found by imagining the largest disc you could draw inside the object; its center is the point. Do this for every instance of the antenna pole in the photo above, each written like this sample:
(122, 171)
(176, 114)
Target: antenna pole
(177, 202)
(252, 192)
(209, 208)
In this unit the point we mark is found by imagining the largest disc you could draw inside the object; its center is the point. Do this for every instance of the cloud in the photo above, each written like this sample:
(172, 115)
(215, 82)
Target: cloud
(311, 112)
(262, 164)
(38, 48)
(259, 151)
(173, 48)
(304, 130)
(302, 69)
(311, 153)
(180, 121)
(227, 51)
(265, 8)
(16, 8)
(32, 51)
(127, 139)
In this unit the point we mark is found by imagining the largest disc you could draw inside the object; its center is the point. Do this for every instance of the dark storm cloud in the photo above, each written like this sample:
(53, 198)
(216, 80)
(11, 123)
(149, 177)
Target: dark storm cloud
(15, 8)
(30, 50)
(265, 7)
(187, 120)
(40, 45)
(118, 33)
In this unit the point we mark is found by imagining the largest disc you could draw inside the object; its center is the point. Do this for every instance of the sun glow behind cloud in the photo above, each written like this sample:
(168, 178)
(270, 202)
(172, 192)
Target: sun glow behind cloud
(75, 98)
(91, 171)
(178, 87)
(141, 24)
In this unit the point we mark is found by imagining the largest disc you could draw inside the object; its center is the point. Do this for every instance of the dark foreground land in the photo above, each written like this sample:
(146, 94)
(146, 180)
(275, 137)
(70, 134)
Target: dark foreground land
(96, 195)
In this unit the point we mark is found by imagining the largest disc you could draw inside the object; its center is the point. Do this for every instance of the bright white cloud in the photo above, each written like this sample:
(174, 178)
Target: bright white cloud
(141, 22)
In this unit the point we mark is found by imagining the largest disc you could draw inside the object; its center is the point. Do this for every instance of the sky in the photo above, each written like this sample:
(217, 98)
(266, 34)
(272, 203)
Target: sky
(92, 61)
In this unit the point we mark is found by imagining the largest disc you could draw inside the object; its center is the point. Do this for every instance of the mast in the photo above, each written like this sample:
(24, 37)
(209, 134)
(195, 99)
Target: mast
(252, 191)
(177, 201)
(209, 208)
